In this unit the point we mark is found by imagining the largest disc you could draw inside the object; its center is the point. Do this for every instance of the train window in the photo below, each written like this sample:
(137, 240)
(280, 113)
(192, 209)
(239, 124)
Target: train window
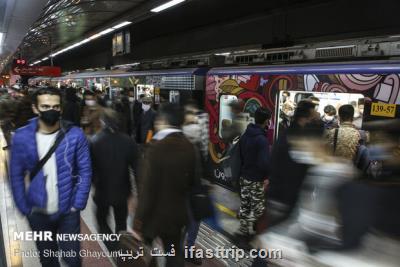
(288, 101)
(174, 97)
(145, 89)
(225, 115)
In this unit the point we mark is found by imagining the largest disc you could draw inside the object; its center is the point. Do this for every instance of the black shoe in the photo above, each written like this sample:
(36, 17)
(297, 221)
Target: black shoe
(242, 240)
(194, 260)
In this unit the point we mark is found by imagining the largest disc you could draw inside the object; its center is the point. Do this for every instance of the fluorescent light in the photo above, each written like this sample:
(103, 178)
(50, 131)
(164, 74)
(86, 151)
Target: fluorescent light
(94, 36)
(166, 5)
(122, 24)
(106, 31)
(222, 54)
(1, 38)
(45, 58)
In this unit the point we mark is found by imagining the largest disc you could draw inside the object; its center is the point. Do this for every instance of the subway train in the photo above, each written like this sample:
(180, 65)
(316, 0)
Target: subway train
(333, 83)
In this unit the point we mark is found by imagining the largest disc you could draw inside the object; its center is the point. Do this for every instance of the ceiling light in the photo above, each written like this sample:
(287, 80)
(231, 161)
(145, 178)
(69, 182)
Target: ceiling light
(45, 58)
(1, 38)
(222, 54)
(122, 24)
(166, 5)
(106, 31)
(94, 36)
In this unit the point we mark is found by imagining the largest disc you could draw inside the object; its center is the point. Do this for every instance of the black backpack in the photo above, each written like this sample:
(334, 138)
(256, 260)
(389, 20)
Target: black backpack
(370, 168)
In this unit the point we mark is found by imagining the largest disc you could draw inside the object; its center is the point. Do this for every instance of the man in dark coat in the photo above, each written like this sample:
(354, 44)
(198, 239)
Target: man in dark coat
(167, 175)
(145, 123)
(254, 154)
(113, 157)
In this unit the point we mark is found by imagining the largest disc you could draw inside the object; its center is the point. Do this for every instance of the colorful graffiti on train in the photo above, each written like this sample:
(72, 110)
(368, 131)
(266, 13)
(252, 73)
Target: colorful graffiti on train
(261, 90)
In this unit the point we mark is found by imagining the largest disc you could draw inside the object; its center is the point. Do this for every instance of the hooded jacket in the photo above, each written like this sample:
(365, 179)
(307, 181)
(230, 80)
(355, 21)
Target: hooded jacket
(254, 152)
(73, 170)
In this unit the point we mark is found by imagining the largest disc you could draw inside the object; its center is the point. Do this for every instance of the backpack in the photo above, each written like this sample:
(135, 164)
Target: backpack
(369, 167)
(232, 163)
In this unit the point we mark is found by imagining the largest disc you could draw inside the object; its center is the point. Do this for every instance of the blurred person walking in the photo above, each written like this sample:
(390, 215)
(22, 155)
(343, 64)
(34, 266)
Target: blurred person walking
(90, 114)
(71, 107)
(197, 133)
(372, 205)
(287, 175)
(24, 109)
(114, 156)
(56, 156)
(166, 177)
(255, 162)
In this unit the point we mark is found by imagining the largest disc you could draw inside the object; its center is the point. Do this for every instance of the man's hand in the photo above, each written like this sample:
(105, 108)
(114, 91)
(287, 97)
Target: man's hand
(266, 183)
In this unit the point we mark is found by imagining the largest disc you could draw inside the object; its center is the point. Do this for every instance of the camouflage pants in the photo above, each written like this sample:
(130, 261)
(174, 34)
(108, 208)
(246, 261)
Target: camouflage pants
(252, 203)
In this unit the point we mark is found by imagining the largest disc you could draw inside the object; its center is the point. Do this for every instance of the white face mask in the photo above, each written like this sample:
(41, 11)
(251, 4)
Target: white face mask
(146, 107)
(290, 113)
(329, 118)
(90, 103)
(131, 99)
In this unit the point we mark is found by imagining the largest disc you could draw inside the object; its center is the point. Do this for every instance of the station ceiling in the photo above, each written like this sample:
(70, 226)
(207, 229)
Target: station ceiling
(216, 24)
(63, 21)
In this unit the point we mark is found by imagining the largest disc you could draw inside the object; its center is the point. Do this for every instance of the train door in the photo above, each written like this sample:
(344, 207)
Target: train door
(288, 100)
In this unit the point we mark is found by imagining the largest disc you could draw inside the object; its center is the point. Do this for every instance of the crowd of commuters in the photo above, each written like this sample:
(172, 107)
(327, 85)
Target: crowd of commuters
(131, 154)
(68, 140)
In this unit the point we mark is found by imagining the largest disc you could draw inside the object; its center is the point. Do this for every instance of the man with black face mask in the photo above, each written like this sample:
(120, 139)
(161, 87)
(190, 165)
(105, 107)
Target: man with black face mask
(56, 156)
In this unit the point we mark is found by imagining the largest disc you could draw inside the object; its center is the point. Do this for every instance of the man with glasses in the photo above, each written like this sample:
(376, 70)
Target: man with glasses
(56, 156)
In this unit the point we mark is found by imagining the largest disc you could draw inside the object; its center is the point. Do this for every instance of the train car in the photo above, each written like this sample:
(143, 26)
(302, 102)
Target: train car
(171, 85)
(377, 83)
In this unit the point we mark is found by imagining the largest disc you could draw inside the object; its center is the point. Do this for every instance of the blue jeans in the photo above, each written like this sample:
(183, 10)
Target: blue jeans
(57, 224)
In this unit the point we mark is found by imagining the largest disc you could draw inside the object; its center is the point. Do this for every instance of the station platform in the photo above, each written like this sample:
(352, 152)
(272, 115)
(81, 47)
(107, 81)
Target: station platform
(12, 221)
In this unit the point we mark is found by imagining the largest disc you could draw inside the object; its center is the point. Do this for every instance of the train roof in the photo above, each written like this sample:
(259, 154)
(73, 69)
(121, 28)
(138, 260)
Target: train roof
(318, 68)
(122, 73)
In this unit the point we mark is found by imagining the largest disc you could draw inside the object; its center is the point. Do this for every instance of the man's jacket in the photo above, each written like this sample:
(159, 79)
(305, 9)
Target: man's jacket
(254, 151)
(73, 170)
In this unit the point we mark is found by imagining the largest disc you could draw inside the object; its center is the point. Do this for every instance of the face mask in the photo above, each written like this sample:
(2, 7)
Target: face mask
(146, 107)
(90, 103)
(361, 110)
(290, 113)
(108, 103)
(329, 118)
(50, 117)
(131, 99)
